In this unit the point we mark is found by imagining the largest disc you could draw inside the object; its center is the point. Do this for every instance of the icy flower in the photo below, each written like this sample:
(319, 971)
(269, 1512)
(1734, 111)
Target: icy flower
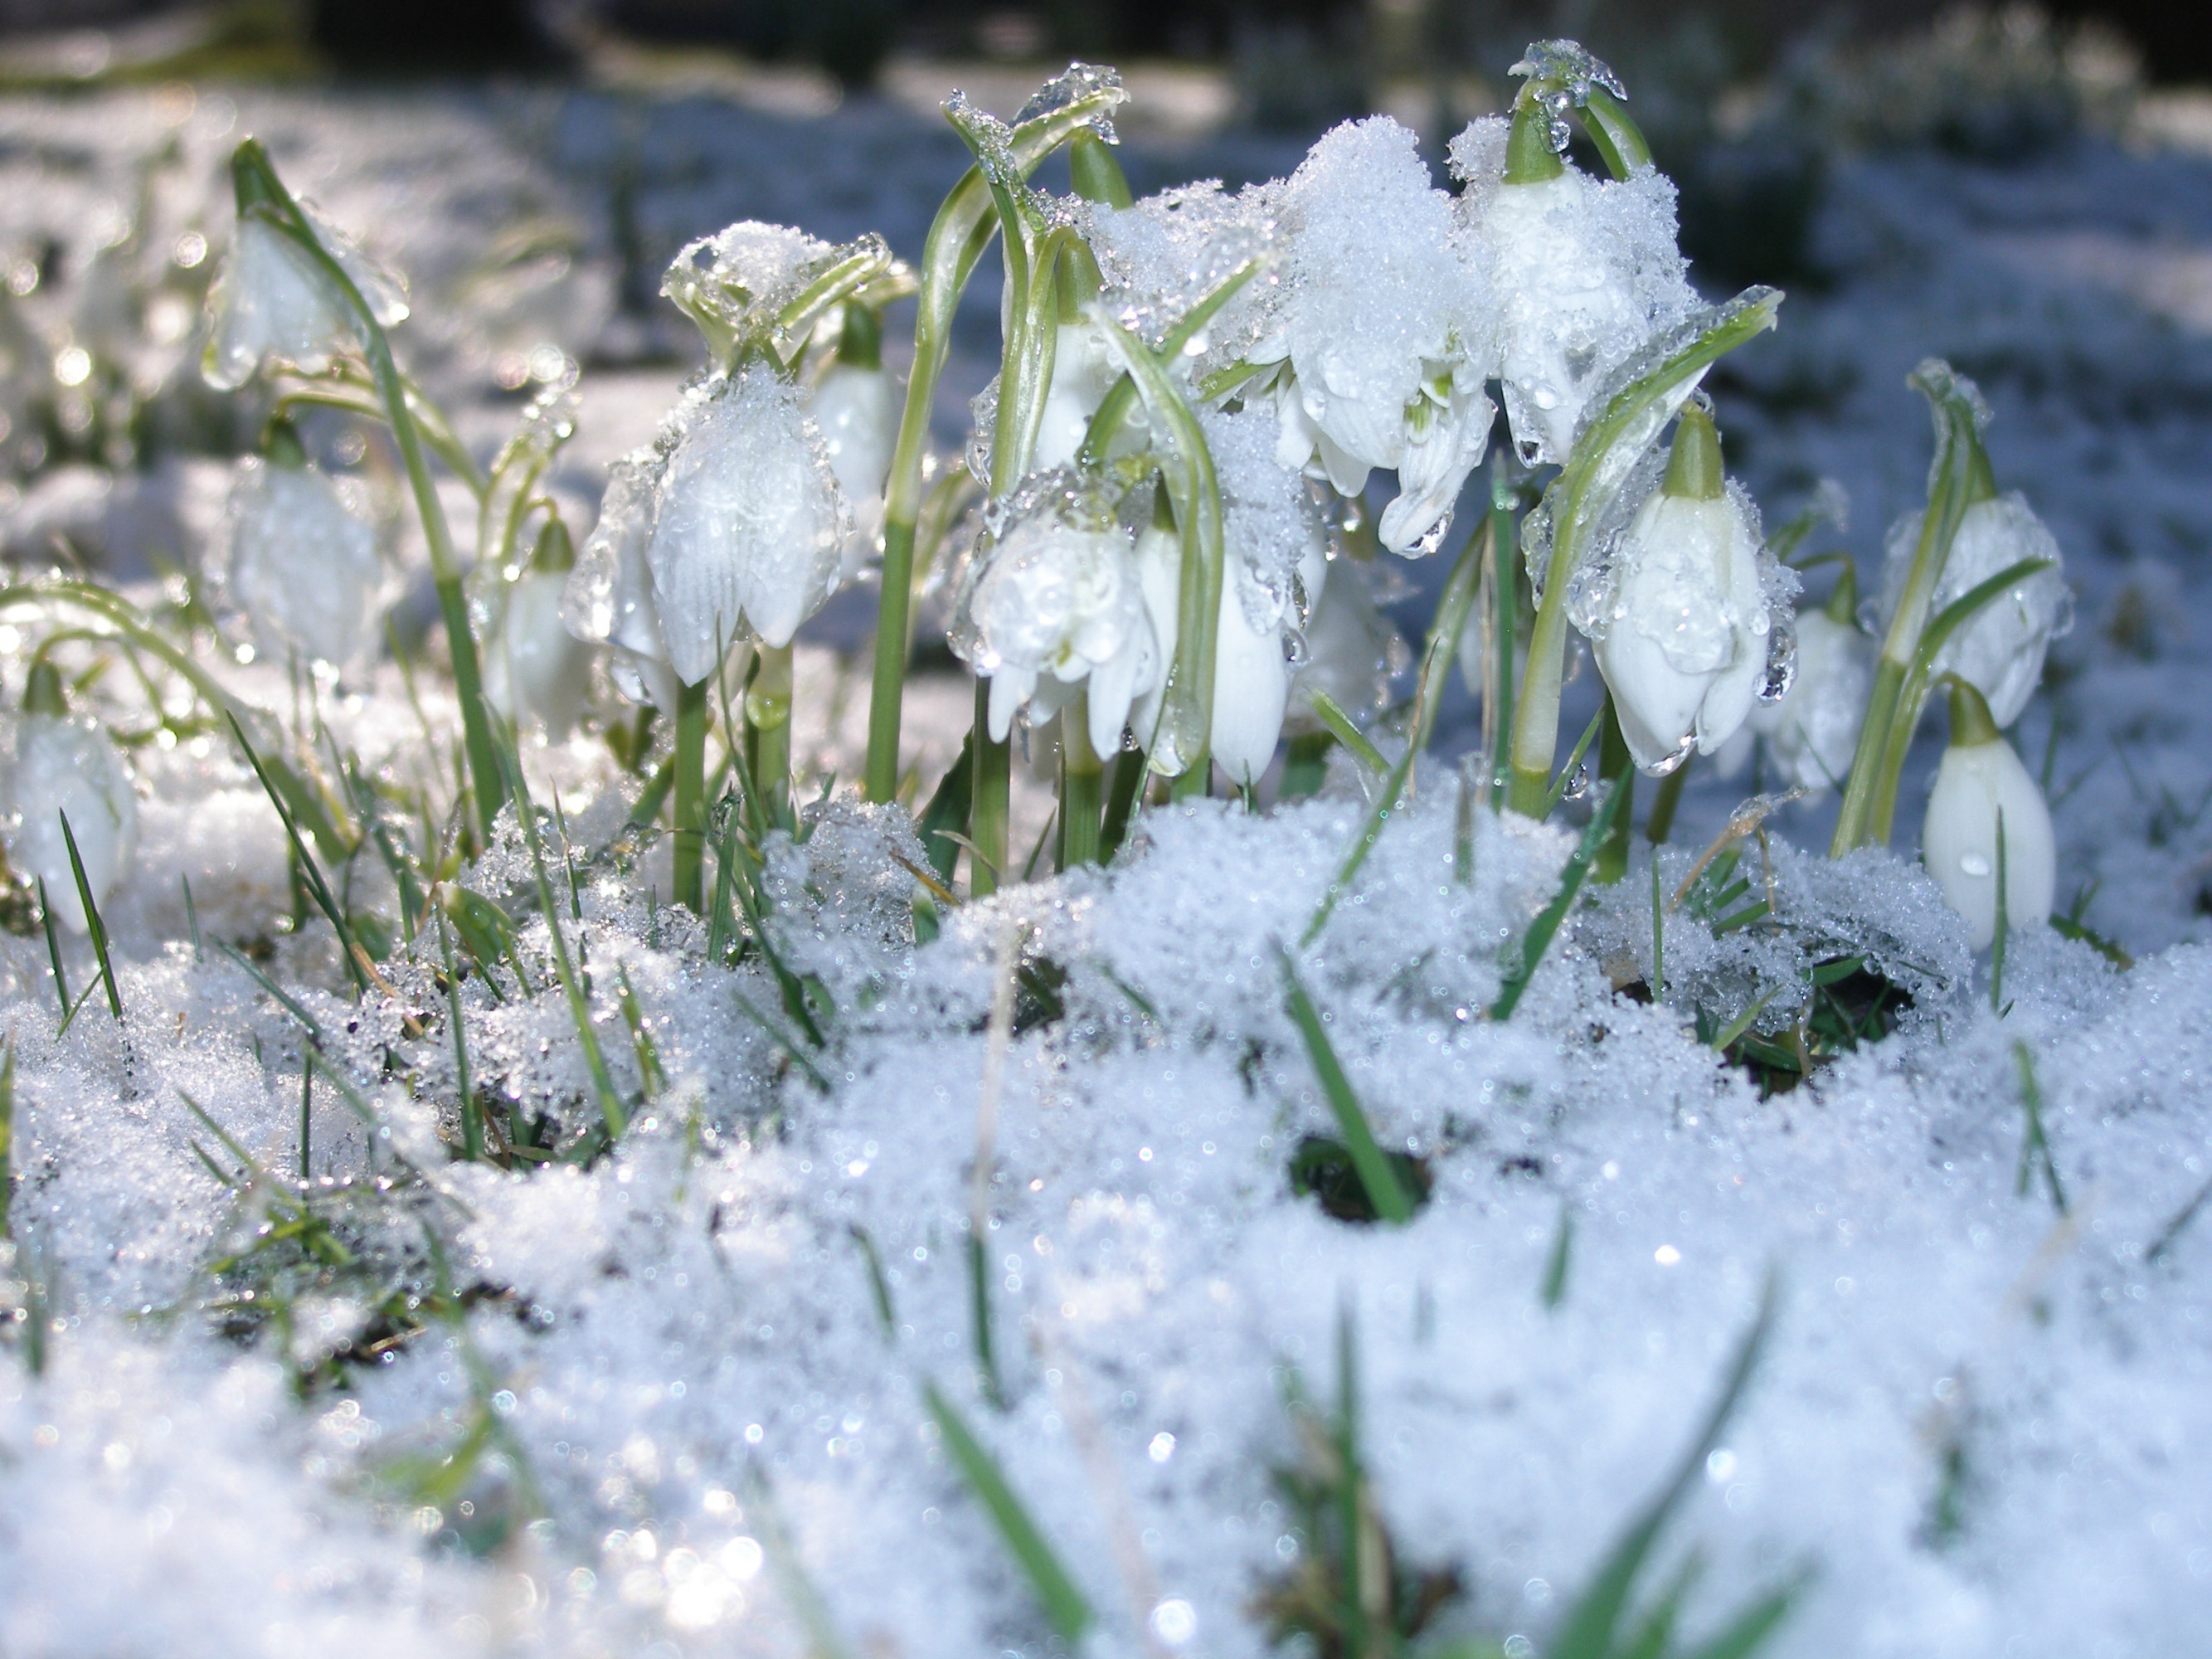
(1584, 272)
(66, 766)
(749, 525)
(2000, 650)
(1384, 330)
(1981, 787)
(534, 669)
(275, 300)
(302, 568)
(608, 598)
(857, 411)
(1813, 728)
(1055, 605)
(1685, 649)
(1351, 650)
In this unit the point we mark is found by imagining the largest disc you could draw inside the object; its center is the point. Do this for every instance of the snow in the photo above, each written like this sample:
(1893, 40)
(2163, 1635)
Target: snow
(1983, 1421)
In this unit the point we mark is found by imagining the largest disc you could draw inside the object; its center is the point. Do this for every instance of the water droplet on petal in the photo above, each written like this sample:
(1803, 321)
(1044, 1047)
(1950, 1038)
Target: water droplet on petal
(1974, 864)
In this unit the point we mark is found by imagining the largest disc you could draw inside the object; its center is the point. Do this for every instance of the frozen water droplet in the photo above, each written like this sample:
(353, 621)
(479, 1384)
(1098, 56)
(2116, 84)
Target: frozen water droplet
(1672, 763)
(1433, 538)
(1578, 784)
(1974, 864)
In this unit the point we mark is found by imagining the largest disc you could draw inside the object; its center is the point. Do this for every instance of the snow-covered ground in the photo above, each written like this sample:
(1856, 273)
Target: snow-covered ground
(678, 1416)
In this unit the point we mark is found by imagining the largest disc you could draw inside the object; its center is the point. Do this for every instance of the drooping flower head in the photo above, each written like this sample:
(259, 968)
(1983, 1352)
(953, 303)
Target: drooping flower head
(292, 555)
(275, 301)
(66, 766)
(1982, 796)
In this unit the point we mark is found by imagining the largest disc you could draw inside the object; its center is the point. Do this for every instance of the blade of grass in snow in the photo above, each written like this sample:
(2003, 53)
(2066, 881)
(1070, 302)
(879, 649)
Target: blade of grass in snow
(1658, 936)
(879, 1287)
(1331, 714)
(1384, 1191)
(651, 1077)
(1566, 780)
(54, 951)
(472, 1127)
(92, 924)
(1589, 1629)
(2165, 1241)
(8, 1142)
(1560, 1262)
(791, 1050)
(193, 920)
(1064, 1604)
(1736, 1027)
(290, 1003)
(356, 958)
(579, 1012)
(2003, 927)
(823, 1641)
(1378, 815)
(1538, 939)
(2034, 1145)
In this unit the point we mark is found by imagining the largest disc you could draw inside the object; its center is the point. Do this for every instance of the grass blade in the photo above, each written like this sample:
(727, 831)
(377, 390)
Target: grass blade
(54, 949)
(1056, 1592)
(1590, 1626)
(1561, 1260)
(1538, 939)
(1384, 1191)
(326, 901)
(93, 925)
(2034, 1145)
(290, 1003)
(1378, 815)
(1332, 715)
(7, 1141)
(1566, 780)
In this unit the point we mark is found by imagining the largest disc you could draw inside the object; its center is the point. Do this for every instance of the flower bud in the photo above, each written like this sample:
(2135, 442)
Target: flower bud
(534, 669)
(749, 523)
(274, 299)
(1812, 730)
(301, 566)
(66, 765)
(857, 412)
(1981, 788)
(1685, 649)
(2000, 650)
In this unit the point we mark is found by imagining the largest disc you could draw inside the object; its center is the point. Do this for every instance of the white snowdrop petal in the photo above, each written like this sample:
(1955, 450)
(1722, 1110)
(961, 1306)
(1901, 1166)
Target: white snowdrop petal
(304, 570)
(66, 766)
(1958, 840)
(857, 411)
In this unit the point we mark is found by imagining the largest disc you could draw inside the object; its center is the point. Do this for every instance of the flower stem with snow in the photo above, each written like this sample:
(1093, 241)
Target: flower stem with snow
(261, 195)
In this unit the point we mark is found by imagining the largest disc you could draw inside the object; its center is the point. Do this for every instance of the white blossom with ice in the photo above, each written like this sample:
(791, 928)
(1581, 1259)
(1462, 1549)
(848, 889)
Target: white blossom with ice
(1812, 730)
(2000, 648)
(66, 765)
(1684, 646)
(1583, 273)
(1384, 325)
(1351, 650)
(608, 598)
(274, 300)
(1054, 606)
(297, 560)
(534, 669)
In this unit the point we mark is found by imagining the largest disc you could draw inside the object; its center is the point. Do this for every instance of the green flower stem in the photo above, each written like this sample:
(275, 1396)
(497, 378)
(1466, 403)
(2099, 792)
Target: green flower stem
(1452, 607)
(261, 192)
(768, 731)
(691, 716)
(1661, 823)
(962, 231)
(1952, 486)
(1616, 770)
(1082, 786)
(1504, 585)
(1129, 771)
(992, 805)
(1577, 501)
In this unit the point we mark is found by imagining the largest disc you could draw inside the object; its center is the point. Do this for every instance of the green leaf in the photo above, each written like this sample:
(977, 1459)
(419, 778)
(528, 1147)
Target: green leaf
(1391, 1202)
(1538, 939)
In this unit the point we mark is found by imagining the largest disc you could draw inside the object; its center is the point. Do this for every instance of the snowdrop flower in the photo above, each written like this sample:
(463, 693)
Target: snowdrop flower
(1812, 730)
(1685, 649)
(856, 406)
(1351, 650)
(2000, 651)
(534, 669)
(1584, 272)
(68, 766)
(1384, 330)
(608, 598)
(1056, 606)
(1979, 785)
(1084, 371)
(297, 561)
(730, 528)
(274, 300)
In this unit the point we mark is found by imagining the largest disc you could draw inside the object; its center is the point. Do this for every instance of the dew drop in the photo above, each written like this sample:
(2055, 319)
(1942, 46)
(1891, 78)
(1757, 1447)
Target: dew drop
(1974, 864)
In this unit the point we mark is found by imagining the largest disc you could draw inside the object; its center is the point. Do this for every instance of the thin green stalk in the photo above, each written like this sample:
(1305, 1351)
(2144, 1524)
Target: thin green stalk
(472, 1134)
(1658, 936)
(1386, 1193)
(53, 949)
(1505, 551)
(1664, 799)
(991, 807)
(2003, 926)
(261, 193)
(1331, 714)
(1560, 1260)
(691, 796)
(1538, 939)
(958, 236)
(1578, 501)
(1452, 607)
(1378, 816)
(1082, 786)
(1129, 770)
(767, 732)
(1616, 770)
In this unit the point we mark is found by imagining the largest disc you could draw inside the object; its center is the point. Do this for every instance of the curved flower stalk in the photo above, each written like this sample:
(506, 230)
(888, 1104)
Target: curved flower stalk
(1811, 730)
(1917, 635)
(292, 293)
(1684, 643)
(1383, 330)
(66, 765)
(295, 559)
(1580, 503)
(1081, 100)
(1987, 822)
(1584, 271)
